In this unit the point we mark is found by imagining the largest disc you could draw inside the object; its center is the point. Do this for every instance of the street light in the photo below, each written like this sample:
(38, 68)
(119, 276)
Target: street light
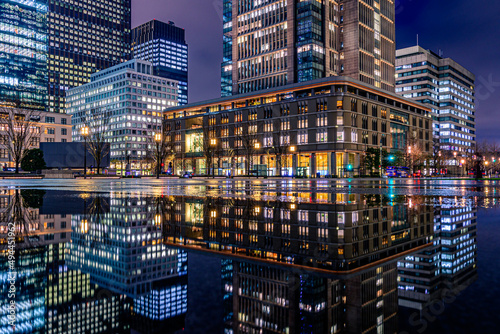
(411, 162)
(158, 141)
(456, 162)
(85, 131)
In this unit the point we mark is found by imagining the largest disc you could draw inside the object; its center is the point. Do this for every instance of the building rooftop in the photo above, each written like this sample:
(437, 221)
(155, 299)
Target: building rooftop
(334, 80)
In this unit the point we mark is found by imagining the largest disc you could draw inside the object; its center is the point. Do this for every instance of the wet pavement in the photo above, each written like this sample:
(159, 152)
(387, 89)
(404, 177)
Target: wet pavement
(249, 256)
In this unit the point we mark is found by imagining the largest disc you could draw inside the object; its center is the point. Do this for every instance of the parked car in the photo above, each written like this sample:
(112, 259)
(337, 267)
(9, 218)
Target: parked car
(187, 175)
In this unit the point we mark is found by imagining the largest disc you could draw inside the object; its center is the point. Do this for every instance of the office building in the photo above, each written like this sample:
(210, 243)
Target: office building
(85, 36)
(47, 127)
(125, 102)
(23, 48)
(164, 45)
(322, 127)
(448, 89)
(278, 42)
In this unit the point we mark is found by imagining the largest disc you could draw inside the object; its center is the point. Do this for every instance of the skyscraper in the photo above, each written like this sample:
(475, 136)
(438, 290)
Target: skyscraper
(275, 42)
(23, 53)
(85, 36)
(164, 45)
(448, 89)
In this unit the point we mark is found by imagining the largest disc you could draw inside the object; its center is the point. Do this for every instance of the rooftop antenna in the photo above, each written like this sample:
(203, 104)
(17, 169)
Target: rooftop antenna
(417, 40)
(440, 53)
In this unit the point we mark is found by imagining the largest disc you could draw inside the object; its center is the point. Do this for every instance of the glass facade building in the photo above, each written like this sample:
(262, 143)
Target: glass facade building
(164, 45)
(85, 36)
(276, 42)
(23, 53)
(449, 90)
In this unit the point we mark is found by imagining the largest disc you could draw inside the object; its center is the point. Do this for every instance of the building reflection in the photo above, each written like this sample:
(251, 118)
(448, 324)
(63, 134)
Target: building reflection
(346, 232)
(118, 241)
(59, 293)
(326, 263)
(450, 264)
(291, 263)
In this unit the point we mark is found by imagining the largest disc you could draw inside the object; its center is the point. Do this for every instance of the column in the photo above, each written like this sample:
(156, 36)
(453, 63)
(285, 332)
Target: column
(313, 165)
(333, 163)
(294, 165)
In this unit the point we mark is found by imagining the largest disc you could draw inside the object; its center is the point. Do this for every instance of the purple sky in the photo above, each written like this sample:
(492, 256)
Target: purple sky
(464, 30)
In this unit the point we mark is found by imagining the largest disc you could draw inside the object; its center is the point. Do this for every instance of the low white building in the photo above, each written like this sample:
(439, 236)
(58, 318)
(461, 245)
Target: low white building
(130, 100)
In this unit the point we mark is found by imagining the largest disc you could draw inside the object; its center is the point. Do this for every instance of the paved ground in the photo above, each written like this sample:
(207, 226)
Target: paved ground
(199, 187)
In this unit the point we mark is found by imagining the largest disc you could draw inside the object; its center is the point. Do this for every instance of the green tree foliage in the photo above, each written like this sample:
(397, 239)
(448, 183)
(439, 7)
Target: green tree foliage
(33, 160)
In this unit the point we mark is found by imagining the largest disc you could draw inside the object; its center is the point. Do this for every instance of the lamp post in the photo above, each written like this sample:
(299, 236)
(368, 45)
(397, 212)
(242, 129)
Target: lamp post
(213, 144)
(410, 160)
(463, 167)
(85, 133)
(158, 155)
(456, 162)
(380, 159)
(257, 147)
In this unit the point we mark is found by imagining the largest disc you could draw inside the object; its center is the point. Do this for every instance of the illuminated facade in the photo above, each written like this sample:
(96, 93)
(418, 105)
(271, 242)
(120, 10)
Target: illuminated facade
(131, 100)
(122, 248)
(315, 128)
(277, 42)
(448, 89)
(450, 264)
(337, 237)
(85, 36)
(23, 50)
(49, 128)
(307, 266)
(278, 300)
(164, 45)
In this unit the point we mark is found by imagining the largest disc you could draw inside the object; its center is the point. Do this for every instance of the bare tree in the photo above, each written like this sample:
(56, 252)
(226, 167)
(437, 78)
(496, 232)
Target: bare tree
(247, 138)
(281, 143)
(98, 120)
(19, 131)
(210, 143)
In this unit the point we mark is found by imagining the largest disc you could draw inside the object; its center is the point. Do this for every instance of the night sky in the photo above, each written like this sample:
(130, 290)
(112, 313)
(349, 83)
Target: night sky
(466, 31)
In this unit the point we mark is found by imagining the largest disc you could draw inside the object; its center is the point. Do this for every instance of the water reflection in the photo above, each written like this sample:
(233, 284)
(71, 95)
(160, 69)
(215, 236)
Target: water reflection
(290, 262)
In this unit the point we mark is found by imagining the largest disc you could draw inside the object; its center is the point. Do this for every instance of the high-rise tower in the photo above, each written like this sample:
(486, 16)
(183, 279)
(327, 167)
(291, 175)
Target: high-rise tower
(164, 45)
(85, 36)
(278, 42)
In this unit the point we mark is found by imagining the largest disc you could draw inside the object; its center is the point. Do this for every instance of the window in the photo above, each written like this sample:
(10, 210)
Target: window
(321, 106)
(51, 131)
(321, 135)
(268, 141)
(364, 108)
(51, 120)
(268, 126)
(64, 121)
(64, 132)
(303, 108)
(322, 120)
(374, 111)
(354, 136)
(302, 122)
(340, 136)
(285, 140)
(238, 117)
(302, 137)
(340, 120)
(285, 125)
(285, 110)
(252, 115)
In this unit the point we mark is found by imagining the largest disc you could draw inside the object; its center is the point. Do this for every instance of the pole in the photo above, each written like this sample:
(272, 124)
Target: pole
(85, 160)
(158, 160)
(380, 158)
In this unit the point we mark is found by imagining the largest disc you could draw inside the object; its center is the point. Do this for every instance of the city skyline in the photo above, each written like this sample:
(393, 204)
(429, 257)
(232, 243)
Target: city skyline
(436, 31)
